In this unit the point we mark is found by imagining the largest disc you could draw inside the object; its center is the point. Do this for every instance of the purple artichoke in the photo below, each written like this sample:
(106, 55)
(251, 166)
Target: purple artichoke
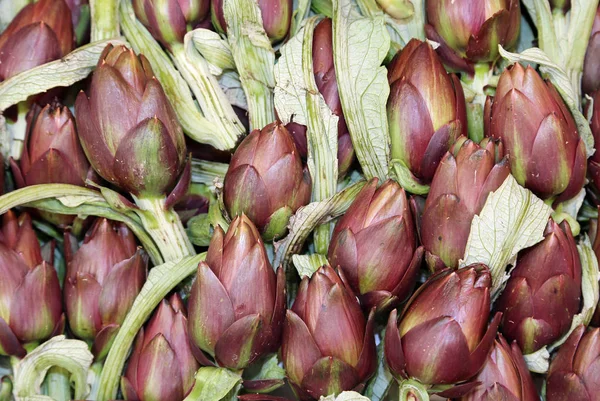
(374, 244)
(327, 347)
(426, 109)
(543, 292)
(237, 302)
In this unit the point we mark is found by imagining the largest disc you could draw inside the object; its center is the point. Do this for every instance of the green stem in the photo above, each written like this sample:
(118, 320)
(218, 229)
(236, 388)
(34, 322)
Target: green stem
(211, 98)
(95, 372)
(57, 384)
(205, 172)
(412, 390)
(105, 20)
(478, 83)
(322, 236)
(261, 107)
(165, 228)
(161, 280)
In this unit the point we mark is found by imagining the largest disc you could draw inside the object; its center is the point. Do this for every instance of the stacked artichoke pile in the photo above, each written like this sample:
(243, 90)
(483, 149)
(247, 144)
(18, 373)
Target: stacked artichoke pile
(317, 200)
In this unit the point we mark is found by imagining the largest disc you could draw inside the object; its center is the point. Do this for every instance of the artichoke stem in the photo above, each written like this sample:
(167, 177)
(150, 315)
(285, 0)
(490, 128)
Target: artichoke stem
(165, 228)
(261, 106)
(212, 100)
(94, 373)
(105, 20)
(57, 384)
(322, 236)
(412, 390)
(479, 84)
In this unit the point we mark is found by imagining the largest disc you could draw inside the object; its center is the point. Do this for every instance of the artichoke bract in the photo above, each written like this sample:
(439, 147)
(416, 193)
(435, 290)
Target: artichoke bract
(573, 374)
(504, 376)
(469, 32)
(103, 278)
(460, 187)
(374, 244)
(539, 134)
(590, 81)
(237, 302)
(596, 248)
(328, 346)
(266, 180)
(324, 71)
(543, 292)
(276, 17)
(30, 296)
(594, 160)
(442, 337)
(128, 128)
(426, 109)
(40, 33)
(51, 154)
(162, 365)
(169, 20)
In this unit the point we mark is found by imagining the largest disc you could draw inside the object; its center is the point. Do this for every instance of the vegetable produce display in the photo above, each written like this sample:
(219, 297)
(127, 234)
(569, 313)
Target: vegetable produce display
(314, 200)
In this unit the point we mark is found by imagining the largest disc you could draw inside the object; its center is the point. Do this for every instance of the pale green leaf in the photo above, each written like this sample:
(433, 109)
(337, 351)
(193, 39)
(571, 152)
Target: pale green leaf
(563, 84)
(254, 58)
(301, 11)
(214, 49)
(72, 68)
(195, 125)
(212, 100)
(161, 280)
(539, 361)
(360, 44)
(512, 219)
(72, 355)
(401, 31)
(8, 10)
(213, 384)
(231, 85)
(345, 396)
(269, 370)
(298, 99)
(581, 19)
(310, 216)
(306, 265)
(290, 90)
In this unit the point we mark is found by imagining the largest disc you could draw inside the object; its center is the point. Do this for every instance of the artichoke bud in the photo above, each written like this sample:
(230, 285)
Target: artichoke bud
(573, 373)
(328, 346)
(539, 134)
(543, 292)
(425, 119)
(267, 161)
(443, 335)
(250, 317)
(104, 276)
(169, 20)
(161, 350)
(40, 33)
(469, 33)
(128, 128)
